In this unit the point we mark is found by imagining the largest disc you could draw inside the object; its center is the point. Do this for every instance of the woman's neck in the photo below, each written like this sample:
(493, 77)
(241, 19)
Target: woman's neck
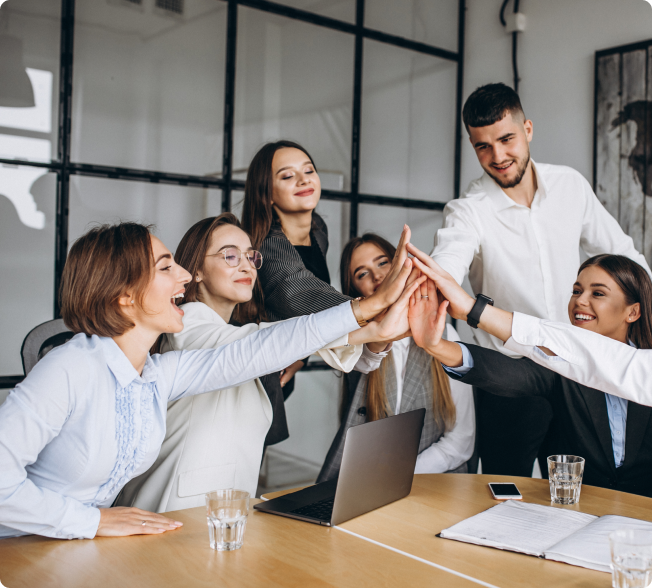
(221, 306)
(296, 226)
(135, 344)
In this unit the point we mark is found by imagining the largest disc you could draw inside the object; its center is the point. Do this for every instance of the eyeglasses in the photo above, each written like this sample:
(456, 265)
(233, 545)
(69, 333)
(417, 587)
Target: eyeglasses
(233, 256)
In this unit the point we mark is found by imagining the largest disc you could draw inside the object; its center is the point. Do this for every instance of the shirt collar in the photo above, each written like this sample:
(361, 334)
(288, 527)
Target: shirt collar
(121, 367)
(500, 200)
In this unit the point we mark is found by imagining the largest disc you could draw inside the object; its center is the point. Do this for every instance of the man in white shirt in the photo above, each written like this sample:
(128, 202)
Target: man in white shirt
(518, 231)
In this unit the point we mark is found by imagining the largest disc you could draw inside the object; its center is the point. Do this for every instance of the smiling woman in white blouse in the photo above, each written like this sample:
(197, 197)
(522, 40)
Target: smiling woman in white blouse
(91, 414)
(408, 379)
(216, 440)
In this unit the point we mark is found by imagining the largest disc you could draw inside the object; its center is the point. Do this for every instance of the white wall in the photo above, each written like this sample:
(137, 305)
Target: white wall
(556, 61)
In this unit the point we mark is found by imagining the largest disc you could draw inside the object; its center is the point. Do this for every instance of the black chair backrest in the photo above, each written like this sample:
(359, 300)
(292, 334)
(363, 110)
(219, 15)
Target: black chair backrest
(41, 340)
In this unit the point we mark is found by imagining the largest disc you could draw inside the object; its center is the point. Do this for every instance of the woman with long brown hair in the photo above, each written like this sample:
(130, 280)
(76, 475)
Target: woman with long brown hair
(91, 414)
(408, 378)
(233, 422)
(611, 297)
(282, 191)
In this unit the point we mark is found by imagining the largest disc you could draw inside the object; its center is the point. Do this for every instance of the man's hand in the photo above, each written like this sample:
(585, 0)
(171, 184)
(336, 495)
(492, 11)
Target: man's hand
(460, 302)
(121, 521)
(427, 316)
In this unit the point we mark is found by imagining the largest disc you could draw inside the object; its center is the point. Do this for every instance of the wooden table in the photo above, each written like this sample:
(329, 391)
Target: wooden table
(381, 548)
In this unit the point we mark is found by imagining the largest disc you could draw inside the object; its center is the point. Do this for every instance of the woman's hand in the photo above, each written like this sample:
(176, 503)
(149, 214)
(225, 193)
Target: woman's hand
(427, 316)
(288, 373)
(394, 324)
(120, 521)
(460, 302)
(394, 283)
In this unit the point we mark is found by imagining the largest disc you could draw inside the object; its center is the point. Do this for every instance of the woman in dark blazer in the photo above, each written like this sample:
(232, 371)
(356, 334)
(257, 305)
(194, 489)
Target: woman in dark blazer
(282, 191)
(612, 296)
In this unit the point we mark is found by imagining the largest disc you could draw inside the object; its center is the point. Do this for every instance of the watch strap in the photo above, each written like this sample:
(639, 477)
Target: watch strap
(481, 301)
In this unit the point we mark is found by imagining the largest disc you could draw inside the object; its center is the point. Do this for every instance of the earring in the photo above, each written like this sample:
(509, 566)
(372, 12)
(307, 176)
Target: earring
(198, 279)
(132, 301)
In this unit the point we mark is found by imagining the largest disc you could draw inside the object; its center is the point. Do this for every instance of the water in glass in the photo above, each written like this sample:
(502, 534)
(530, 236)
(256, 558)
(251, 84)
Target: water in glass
(226, 533)
(565, 478)
(631, 571)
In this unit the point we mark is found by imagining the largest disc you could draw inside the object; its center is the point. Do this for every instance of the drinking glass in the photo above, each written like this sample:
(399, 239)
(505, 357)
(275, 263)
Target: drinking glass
(565, 477)
(226, 515)
(631, 558)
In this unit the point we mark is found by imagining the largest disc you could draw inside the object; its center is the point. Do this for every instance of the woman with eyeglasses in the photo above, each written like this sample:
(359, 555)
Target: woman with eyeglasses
(282, 191)
(216, 440)
(91, 415)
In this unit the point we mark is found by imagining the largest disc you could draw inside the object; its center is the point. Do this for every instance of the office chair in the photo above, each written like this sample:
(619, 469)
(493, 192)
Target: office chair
(41, 340)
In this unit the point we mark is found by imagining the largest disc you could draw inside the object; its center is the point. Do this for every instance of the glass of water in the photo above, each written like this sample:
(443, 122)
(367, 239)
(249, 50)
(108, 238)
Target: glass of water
(565, 477)
(226, 514)
(631, 558)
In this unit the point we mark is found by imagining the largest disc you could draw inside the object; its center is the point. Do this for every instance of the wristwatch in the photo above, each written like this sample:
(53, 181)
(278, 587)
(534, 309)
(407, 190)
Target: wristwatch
(357, 313)
(473, 318)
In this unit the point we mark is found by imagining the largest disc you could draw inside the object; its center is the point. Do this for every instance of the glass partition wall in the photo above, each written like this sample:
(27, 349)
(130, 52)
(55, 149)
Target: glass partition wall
(151, 110)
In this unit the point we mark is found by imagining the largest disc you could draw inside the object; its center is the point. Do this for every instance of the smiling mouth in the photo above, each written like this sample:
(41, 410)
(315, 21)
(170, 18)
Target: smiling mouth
(581, 318)
(503, 167)
(246, 281)
(308, 192)
(173, 301)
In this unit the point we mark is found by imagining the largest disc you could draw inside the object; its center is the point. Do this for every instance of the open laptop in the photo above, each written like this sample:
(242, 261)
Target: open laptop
(377, 468)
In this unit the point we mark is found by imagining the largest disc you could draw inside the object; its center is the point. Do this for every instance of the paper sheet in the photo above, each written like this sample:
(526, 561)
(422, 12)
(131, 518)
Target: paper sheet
(518, 526)
(589, 547)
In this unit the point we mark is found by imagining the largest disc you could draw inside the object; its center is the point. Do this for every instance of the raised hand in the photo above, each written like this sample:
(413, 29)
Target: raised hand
(427, 316)
(120, 521)
(460, 302)
(393, 284)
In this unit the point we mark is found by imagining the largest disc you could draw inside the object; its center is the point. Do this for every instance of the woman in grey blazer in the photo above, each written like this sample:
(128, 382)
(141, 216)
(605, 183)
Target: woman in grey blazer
(408, 379)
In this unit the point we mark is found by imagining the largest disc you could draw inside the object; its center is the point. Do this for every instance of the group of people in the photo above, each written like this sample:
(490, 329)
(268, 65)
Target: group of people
(176, 379)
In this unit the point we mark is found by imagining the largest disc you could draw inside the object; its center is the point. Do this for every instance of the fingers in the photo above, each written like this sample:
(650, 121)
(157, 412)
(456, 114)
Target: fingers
(414, 288)
(426, 269)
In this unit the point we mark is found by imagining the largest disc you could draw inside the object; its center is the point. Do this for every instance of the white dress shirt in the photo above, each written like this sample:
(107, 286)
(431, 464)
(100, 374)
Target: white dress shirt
(84, 422)
(585, 357)
(526, 259)
(454, 447)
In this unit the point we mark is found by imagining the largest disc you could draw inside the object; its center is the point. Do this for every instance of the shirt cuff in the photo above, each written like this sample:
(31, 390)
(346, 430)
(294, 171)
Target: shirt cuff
(525, 330)
(467, 362)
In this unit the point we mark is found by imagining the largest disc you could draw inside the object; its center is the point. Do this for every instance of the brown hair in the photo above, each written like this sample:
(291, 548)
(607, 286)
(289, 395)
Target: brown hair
(444, 412)
(191, 254)
(636, 285)
(257, 212)
(103, 265)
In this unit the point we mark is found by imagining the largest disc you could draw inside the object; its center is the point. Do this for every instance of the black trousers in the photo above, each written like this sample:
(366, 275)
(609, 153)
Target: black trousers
(511, 432)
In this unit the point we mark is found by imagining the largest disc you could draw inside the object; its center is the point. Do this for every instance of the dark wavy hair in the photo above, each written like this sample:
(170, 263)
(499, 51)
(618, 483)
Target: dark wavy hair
(636, 285)
(490, 103)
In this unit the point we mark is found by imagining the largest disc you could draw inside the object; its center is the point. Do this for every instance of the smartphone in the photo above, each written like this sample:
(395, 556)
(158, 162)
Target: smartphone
(505, 491)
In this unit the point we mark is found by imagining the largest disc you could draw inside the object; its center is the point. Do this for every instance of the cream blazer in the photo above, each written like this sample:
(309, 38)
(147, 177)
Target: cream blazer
(214, 440)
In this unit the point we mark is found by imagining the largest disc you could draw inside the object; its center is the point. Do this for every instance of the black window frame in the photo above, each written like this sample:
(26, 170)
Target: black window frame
(64, 168)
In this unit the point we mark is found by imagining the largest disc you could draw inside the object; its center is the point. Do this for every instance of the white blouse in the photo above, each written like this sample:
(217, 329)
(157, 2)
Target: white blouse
(84, 422)
(214, 440)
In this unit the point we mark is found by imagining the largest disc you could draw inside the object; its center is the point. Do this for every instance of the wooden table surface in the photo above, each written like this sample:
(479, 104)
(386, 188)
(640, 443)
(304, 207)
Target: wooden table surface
(441, 500)
(380, 548)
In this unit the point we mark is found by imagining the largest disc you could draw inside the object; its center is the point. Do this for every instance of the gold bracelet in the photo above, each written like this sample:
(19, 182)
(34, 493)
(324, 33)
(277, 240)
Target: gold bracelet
(355, 306)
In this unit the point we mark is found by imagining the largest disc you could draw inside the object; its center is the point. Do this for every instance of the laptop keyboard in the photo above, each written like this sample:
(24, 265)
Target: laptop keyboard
(321, 510)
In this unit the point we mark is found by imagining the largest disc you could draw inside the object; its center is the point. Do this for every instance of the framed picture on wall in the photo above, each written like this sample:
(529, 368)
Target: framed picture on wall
(623, 139)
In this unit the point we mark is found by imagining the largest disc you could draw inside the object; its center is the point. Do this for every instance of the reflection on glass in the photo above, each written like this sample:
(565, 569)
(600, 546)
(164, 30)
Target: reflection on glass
(29, 66)
(149, 85)
(433, 22)
(288, 87)
(26, 258)
(408, 124)
(388, 222)
(172, 209)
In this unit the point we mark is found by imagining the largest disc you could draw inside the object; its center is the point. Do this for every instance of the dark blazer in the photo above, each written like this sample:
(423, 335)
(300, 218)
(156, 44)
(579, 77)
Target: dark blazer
(581, 419)
(289, 288)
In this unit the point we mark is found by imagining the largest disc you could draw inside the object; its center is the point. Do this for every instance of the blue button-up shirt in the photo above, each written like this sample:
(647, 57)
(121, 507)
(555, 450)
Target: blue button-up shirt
(616, 408)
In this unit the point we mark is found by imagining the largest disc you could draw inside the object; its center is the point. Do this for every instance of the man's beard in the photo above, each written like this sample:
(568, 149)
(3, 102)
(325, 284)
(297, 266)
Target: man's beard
(505, 183)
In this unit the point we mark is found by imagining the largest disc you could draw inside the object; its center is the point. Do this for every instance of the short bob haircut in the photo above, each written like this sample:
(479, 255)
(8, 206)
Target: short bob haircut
(489, 104)
(103, 265)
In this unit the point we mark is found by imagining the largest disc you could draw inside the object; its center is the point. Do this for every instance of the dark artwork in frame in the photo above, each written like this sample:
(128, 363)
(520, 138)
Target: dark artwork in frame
(623, 139)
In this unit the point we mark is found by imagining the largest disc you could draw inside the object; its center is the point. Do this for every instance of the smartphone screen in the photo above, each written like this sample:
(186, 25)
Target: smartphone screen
(505, 491)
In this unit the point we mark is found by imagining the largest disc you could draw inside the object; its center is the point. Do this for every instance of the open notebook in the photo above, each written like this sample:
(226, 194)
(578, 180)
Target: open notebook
(544, 531)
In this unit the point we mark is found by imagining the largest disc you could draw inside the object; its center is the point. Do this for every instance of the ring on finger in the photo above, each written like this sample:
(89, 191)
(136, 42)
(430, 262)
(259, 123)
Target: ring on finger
(424, 296)
(143, 523)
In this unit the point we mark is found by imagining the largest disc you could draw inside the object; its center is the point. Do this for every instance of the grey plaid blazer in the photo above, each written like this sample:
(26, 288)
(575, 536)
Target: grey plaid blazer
(417, 393)
(289, 288)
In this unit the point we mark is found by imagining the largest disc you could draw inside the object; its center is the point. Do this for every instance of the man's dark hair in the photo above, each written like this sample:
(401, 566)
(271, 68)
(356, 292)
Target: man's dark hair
(489, 104)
